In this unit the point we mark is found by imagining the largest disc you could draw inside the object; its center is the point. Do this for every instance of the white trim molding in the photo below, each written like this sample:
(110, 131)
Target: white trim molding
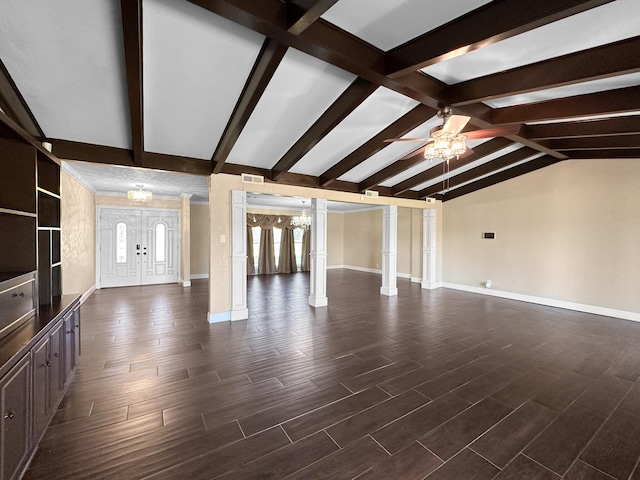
(318, 255)
(218, 317)
(85, 296)
(199, 276)
(239, 310)
(550, 302)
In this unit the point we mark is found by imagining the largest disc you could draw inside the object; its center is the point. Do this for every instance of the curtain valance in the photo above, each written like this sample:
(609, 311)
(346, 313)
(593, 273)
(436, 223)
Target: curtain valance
(267, 222)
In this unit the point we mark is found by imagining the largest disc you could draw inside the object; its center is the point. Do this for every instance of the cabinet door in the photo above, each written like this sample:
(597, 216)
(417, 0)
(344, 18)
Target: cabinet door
(76, 335)
(69, 345)
(56, 359)
(41, 386)
(14, 394)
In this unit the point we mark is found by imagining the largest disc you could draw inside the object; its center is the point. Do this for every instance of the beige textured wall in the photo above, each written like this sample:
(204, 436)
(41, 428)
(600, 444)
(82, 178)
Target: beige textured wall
(569, 232)
(335, 239)
(404, 240)
(363, 239)
(199, 239)
(78, 222)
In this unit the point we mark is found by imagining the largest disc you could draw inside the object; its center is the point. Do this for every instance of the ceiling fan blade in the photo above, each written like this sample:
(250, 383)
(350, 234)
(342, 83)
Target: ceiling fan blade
(419, 151)
(493, 132)
(455, 124)
(406, 140)
(467, 152)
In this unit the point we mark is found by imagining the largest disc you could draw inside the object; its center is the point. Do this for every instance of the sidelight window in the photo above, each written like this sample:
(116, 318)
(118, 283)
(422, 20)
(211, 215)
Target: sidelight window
(121, 242)
(160, 242)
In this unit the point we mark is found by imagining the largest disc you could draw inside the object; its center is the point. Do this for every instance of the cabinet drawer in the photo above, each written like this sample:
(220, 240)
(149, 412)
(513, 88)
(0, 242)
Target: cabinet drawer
(17, 302)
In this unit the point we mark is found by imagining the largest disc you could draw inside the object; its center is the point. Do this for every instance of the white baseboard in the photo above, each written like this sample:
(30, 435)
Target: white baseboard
(85, 296)
(185, 283)
(198, 276)
(370, 270)
(550, 302)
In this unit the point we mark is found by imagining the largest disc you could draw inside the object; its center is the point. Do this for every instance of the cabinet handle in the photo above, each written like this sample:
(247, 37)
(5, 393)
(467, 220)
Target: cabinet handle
(55, 354)
(77, 326)
(9, 415)
(21, 294)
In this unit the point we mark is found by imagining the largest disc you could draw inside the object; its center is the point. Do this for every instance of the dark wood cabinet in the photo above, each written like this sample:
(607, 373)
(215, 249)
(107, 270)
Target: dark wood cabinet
(39, 327)
(15, 396)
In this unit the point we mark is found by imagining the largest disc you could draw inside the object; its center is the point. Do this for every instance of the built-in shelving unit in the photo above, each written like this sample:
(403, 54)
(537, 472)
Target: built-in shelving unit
(39, 327)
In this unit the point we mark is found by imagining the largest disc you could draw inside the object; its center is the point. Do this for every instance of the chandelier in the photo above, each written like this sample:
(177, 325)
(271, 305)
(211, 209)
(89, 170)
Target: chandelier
(445, 145)
(303, 220)
(140, 195)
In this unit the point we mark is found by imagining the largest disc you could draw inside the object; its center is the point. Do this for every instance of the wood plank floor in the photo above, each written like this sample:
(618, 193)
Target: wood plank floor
(430, 384)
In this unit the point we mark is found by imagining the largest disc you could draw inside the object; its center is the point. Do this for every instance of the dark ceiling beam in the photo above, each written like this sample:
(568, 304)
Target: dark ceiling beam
(302, 13)
(392, 170)
(300, 180)
(479, 28)
(593, 64)
(264, 67)
(499, 177)
(594, 128)
(400, 127)
(324, 41)
(594, 143)
(353, 96)
(86, 152)
(132, 33)
(481, 170)
(603, 154)
(14, 105)
(609, 102)
(480, 151)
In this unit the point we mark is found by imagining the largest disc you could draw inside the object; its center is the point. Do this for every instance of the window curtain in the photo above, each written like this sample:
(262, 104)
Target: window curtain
(266, 255)
(287, 263)
(306, 251)
(251, 265)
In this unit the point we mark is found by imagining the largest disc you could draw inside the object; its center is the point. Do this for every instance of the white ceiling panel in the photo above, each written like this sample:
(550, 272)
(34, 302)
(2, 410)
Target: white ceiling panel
(377, 112)
(67, 59)
(586, 118)
(426, 165)
(195, 67)
(301, 89)
(469, 166)
(605, 24)
(386, 24)
(621, 81)
(391, 153)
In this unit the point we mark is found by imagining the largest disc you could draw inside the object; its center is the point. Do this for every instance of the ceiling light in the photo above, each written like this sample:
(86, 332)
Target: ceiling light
(445, 145)
(140, 195)
(303, 220)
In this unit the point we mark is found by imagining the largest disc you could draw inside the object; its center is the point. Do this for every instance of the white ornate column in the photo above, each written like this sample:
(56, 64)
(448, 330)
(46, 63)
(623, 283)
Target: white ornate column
(185, 239)
(429, 249)
(239, 310)
(318, 280)
(389, 250)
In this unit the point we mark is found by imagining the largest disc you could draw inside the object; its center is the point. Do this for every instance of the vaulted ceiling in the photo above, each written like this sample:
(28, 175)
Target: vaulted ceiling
(305, 92)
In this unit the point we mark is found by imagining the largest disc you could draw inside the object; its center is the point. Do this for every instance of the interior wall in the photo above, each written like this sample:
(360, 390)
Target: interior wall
(404, 241)
(363, 239)
(335, 240)
(568, 232)
(199, 241)
(78, 224)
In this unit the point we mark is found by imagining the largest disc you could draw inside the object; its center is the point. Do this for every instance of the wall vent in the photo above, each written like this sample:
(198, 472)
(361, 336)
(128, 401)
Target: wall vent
(248, 178)
(430, 200)
(370, 193)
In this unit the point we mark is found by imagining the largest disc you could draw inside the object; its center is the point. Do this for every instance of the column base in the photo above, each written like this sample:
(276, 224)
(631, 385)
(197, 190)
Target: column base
(318, 301)
(389, 291)
(241, 314)
(431, 285)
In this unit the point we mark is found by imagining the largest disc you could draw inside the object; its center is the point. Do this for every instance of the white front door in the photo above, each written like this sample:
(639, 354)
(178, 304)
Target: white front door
(138, 247)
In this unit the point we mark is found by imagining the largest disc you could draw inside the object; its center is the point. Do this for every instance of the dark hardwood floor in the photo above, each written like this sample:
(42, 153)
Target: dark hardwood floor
(430, 384)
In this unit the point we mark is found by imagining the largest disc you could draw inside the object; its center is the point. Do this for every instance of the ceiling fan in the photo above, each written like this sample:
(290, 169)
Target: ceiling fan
(445, 141)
